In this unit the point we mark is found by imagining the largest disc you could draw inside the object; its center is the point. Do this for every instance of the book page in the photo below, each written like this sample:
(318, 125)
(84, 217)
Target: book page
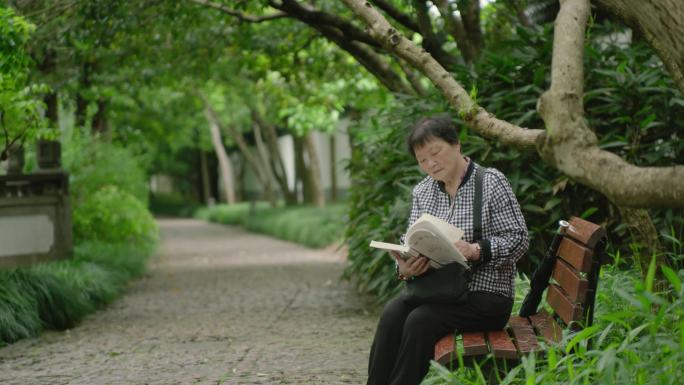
(435, 239)
(404, 251)
(451, 232)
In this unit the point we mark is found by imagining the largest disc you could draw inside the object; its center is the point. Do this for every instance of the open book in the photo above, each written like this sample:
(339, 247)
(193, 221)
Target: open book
(431, 237)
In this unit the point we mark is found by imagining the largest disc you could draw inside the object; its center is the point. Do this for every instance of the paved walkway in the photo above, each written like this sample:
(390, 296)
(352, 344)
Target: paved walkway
(218, 306)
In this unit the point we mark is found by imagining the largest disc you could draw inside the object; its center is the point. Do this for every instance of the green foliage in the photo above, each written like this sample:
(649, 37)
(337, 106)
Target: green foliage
(383, 175)
(115, 216)
(57, 295)
(173, 205)
(306, 225)
(94, 163)
(20, 108)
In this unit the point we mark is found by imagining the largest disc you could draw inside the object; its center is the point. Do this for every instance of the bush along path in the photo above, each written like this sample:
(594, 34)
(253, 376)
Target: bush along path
(218, 306)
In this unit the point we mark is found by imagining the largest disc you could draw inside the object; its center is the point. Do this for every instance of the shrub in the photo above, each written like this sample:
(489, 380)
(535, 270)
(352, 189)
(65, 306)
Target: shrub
(114, 216)
(93, 164)
(306, 225)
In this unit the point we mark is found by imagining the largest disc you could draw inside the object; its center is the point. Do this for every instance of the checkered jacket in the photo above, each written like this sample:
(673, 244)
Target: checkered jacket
(504, 233)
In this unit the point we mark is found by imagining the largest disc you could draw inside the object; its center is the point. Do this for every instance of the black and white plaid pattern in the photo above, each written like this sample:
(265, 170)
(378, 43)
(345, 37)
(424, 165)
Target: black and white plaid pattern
(504, 231)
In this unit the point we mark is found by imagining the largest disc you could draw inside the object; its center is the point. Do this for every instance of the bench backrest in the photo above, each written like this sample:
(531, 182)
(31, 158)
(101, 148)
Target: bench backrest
(572, 290)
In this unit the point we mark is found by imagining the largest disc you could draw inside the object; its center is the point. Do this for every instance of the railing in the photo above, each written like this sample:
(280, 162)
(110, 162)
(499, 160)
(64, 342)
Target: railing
(35, 218)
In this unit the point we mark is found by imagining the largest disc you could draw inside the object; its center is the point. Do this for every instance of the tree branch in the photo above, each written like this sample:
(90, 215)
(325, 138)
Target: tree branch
(241, 16)
(315, 17)
(572, 147)
(370, 60)
(455, 27)
(476, 117)
(470, 15)
(430, 41)
(395, 14)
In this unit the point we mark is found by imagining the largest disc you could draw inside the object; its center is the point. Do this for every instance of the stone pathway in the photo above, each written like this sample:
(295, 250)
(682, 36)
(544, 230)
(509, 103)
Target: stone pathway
(218, 306)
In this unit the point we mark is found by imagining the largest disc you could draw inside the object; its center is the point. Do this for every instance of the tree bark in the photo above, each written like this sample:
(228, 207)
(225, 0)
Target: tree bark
(81, 100)
(99, 123)
(301, 174)
(430, 41)
(225, 167)
(314, 170)
(470, 15)
(661, 23)
(266, 163)
(333, 168)
(204, 175)
(454, 26)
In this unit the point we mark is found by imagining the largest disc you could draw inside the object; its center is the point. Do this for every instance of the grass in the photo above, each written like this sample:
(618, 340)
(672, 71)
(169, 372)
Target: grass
(57, 295)
(306, 225)
(637, 338)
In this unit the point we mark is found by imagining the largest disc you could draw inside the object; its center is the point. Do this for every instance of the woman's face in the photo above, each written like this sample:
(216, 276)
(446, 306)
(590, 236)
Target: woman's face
(439, 159)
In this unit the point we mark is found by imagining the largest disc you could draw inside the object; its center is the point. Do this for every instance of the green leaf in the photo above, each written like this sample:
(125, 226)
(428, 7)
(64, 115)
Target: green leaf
(650, 275)
(672, 277)
(587, 213)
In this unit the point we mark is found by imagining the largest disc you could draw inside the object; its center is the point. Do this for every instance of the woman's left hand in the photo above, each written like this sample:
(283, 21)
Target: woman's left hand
(469, 250)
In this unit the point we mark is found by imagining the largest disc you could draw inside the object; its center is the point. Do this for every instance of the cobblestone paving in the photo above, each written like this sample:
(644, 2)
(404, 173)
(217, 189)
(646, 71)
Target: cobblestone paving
(218, 306)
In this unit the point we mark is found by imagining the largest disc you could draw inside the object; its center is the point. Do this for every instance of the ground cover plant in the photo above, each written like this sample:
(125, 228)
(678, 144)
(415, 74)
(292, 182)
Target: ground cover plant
(306, 225)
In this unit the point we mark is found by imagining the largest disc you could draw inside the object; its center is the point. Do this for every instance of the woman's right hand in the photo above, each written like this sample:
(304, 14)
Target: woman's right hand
(413, 266)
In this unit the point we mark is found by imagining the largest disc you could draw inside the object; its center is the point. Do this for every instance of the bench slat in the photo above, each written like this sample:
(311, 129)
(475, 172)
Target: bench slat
(558, 300)
(445, 349)
(525, 339)
(501, 344)
(585, 232)
(547, 327)
(474, 344)
(574, 285)
(575, 254)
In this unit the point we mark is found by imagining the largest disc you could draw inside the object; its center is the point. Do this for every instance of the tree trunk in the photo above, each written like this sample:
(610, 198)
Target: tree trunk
(275, 157)
(264, 158)
(301, 175)
(646, 242)
(314, 170)
(661, 23)
(204, 175)
(470, 14)
(81, 101)
(333, 168)
(99, 124)
(225, 167)
(237, 137)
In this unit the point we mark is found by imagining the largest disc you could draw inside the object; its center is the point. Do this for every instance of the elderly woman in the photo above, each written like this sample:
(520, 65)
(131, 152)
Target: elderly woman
(407, 332)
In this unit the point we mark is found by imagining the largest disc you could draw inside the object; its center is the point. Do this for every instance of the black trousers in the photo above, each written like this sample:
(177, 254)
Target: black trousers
(405, 339)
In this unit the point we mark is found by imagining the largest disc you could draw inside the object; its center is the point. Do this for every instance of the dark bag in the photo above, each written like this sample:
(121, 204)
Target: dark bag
(448, 284)
(445, 286)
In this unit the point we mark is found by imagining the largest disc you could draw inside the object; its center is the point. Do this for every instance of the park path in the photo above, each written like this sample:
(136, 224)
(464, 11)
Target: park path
(218, 306)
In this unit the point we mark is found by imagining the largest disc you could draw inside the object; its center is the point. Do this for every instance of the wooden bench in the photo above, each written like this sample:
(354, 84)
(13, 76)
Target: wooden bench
(571, 294)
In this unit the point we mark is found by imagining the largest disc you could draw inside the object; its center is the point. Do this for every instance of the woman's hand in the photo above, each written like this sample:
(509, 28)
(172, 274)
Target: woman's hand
(413, 266)
(469, 250)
